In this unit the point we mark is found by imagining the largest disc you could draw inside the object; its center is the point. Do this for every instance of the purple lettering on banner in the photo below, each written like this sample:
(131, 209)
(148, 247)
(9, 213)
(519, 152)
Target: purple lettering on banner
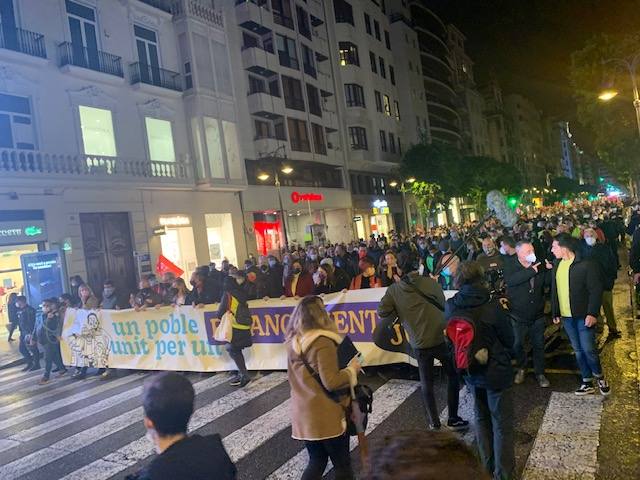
(358, 320)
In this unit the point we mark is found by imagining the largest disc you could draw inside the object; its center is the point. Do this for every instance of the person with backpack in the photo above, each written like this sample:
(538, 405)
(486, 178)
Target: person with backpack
(481, 335)
(317, 418)
(418, 303)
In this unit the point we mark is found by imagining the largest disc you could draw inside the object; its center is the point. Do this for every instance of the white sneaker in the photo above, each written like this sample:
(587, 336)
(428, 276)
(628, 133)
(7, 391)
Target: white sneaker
(519, 376)
(543, 381)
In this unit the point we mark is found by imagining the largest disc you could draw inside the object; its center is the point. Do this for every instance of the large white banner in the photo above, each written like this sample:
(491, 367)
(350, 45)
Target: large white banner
(181, 338)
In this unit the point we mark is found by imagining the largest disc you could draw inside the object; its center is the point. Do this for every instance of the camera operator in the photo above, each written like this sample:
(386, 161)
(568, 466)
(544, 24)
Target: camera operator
(526, 279)
(492, 262)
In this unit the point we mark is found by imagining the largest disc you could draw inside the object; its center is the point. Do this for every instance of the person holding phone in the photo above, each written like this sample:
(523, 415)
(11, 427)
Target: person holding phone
(317, 418)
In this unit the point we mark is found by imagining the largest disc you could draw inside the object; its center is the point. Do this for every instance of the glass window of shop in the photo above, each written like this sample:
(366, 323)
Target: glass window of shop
(220, 238)
(178, 244)
(11, 279)
(269, 232)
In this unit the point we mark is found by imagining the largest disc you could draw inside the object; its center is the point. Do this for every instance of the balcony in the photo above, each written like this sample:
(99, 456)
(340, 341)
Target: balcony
(90, 59)
(259, 61)
(262, 104)
(155, 76)
(23, 41)
(45, 166)
(195, 10)
(252, 16)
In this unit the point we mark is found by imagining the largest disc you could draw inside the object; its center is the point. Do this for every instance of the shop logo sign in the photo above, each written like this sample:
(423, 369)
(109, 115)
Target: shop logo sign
(32, 231)
(297, 197)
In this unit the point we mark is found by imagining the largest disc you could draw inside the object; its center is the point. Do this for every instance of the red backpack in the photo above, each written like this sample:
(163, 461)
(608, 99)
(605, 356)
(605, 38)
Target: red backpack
(470, 339)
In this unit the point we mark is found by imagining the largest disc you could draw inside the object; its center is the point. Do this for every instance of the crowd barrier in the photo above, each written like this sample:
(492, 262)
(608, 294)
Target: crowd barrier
(181, 338)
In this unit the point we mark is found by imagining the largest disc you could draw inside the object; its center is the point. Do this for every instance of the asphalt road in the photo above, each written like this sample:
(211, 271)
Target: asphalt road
(93, 430)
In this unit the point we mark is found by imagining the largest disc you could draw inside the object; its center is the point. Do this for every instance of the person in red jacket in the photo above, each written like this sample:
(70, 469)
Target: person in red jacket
(299, 283)
(367, 277)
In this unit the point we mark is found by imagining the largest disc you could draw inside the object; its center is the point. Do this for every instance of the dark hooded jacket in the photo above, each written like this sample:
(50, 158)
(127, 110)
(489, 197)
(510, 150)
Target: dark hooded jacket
(418, 302)
(476, 302)
(193, 458)
(234, 299)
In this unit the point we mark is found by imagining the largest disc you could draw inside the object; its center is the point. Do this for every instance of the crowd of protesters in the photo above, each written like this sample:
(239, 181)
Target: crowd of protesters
(556, 263)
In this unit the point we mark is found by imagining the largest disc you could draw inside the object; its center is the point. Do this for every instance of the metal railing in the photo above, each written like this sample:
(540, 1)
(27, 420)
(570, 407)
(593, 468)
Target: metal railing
(260, 3)
(46, 164)
(193, 8)
(23, 41)
(93, 59)
(141, 73)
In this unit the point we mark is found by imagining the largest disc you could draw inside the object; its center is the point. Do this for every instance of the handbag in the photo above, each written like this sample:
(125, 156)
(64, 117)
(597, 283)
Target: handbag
(362, 396)
(224, 330)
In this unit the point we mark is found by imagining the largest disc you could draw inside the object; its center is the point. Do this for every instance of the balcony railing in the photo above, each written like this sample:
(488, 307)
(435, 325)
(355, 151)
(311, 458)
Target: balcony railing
(93, 59)
(23, 41)
(35, 163)
(193, 8)
(260, 3)
(141, 73)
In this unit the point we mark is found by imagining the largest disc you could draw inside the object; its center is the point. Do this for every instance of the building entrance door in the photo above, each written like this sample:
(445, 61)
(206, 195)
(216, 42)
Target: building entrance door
(108, 250)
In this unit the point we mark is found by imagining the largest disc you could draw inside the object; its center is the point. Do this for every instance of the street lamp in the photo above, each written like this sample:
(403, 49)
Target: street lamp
(263, 176)
(631, 64)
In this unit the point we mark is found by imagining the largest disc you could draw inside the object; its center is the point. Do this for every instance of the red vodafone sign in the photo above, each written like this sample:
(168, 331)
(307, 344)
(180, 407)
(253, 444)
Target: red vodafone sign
(297, 197)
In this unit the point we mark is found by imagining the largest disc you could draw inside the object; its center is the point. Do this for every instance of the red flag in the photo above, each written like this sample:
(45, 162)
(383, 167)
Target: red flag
(164, 265)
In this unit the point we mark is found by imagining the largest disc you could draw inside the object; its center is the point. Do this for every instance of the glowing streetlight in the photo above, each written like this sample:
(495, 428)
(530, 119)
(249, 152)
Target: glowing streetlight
(286, 169)
(607, 94)
(411, 179)
(393, 183)
(263, 176)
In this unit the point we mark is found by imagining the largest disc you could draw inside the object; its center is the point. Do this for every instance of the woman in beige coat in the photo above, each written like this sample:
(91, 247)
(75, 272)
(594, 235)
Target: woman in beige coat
(315, 417)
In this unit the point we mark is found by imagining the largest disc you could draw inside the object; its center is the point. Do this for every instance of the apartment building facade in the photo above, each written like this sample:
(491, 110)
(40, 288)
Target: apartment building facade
(119, 136)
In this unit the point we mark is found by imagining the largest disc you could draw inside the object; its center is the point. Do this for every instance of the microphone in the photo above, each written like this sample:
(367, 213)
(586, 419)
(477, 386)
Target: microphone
(498, 205)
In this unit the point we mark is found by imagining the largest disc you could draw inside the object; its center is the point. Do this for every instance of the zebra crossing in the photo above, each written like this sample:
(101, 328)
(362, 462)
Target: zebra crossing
(93, 430)
(76, 430)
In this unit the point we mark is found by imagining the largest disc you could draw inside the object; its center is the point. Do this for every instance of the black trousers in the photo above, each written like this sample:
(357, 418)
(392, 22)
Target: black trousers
(425, 357)
(336, 449)
(30, 354)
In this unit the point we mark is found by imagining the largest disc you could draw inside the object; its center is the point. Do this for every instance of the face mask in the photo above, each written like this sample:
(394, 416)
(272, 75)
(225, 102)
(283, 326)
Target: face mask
(153, 283)
(488, 251)
(502, 251)
(272, 263)
(591, 241)
(297, 270)
(313, 256)
(446, 271)
(531, 258)
(443, 235)
(108, 292)
(422, 245)
(239, 281)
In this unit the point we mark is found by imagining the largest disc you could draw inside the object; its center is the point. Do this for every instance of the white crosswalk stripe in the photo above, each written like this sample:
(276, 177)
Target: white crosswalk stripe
(386, 400)
(16, 419)
(139, 449)
(35, 387)
(18, 382)
(84, 438)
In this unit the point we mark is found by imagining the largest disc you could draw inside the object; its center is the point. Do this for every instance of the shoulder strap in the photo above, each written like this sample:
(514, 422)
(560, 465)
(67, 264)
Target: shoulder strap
(333, 395)
(428, 299)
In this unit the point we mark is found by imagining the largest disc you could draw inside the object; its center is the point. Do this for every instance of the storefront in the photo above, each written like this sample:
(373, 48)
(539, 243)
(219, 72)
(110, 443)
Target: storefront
(21, 232)
(377, 215)
(312, 216)
(178, 244)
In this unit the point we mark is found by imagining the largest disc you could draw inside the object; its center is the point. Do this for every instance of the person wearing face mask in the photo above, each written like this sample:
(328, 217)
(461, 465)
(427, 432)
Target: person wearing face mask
(446, 265)
(167, 404)
(299, 283)
(526, 282)
(273, 278)
(109, 296)
(602, 255)
(367, 278)
(47, 332)
(234, 300)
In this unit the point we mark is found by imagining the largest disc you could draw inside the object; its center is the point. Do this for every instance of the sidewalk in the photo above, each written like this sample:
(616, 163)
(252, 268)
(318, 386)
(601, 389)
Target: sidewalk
(618, 456)
(9, 353)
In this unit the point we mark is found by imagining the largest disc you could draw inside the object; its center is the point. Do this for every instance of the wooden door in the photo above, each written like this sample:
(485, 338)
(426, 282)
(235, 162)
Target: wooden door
(108, 250)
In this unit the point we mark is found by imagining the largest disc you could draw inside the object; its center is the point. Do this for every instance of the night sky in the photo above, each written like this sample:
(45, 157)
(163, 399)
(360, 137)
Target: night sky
(528, 43)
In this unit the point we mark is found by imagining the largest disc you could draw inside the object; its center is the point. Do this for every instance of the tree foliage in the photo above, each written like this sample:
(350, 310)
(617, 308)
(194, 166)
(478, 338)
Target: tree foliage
(613, 123)
(456, 175)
